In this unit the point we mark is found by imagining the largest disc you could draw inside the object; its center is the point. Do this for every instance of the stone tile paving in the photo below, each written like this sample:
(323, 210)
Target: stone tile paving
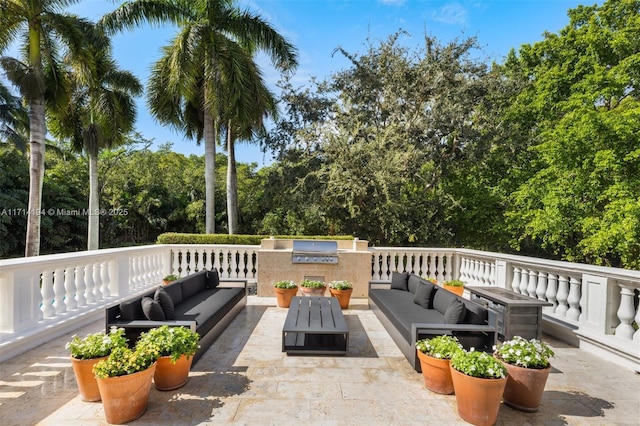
(245, 379)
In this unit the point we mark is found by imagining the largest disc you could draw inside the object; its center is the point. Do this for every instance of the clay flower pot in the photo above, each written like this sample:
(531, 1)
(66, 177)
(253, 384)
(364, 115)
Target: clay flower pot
(284, 296)
(525, 387)
(315, 292)
(478, 399)
(454, 289)
(436, 373)
(125, 398)
(170, 376)
(343, 296)
(87, 384)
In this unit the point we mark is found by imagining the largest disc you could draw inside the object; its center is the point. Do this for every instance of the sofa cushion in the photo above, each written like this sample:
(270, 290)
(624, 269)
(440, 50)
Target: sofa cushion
(194, 284)
(455, 312)
(209, 307)
(413, 282)
(174, 290)
(442, 299)
(213, 279)
(163, 298)
(131, 310)
(423, 296)
(399, 280)
(152, 309)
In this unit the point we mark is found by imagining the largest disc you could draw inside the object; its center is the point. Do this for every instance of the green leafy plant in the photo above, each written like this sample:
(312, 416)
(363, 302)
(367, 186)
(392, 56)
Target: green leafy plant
(123, 361)
(432, 280)
(340, 285)
(170, 277)
(312, 284)
(454, 283)
(96, 345)
(525, 353)
(443, 347)
(285, 284)
(478, 364)
(169, 341)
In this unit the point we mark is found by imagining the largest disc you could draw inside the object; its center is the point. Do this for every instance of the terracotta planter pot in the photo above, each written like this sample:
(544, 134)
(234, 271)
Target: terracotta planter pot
(525, 387)
(125, 398)
(317, 292)
(457, 290)
(284, 296)
(478, 399)
(343, 296)
(436, 373)
(169, 376)
(87, 384)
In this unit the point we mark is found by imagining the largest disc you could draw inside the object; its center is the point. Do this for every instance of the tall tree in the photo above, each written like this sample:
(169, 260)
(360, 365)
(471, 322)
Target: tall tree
(583, 202)
(44, 30)
(205, 69)
(100, 114)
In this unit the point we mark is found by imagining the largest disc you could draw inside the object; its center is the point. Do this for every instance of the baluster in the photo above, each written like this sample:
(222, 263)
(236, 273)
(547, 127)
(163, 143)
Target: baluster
(234, 264)
(515, 283)
(542, 285)
(550, 294)
(524, 281)
(375, 269)
(636, 335)
(625, 313)
(492, 274)
(189, 261)
(59, 292)
(97, 281)
(574, 299)
(104, 277)
(81, 286)
(224, 264)
(562, 295)
(147, 270)
(48, 294)
(464, 268)
(88, 279)
(486, 278)
(175, 264)
(242, 265)
(195, 257)
(533, 283)
(216, 259)
(70, 288)
(447, 270)
(476, 273)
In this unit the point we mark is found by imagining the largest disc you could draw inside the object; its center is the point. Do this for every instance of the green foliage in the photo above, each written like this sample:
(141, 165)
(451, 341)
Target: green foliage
(454, 283)
(340, 285)
(170, 341)
(525, 353)
(443, 347)
(478, 364)
(177, 238)
(312, 284)
(286, 284)
(170, 277)
(96, 345)
(123, 361)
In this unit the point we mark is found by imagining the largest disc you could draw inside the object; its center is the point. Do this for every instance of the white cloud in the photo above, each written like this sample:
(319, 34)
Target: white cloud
(452, 13)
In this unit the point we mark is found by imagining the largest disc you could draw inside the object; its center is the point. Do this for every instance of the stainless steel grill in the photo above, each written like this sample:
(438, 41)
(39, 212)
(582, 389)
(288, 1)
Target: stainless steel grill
(314, 252)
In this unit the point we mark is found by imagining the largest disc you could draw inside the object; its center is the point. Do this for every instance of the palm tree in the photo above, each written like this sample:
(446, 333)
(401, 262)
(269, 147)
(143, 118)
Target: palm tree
(206, 68)
(100, 114)
(14, 121)
(45, 30)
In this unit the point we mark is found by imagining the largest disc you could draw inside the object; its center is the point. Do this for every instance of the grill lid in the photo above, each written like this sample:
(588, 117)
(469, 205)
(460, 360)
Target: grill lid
(314, 252)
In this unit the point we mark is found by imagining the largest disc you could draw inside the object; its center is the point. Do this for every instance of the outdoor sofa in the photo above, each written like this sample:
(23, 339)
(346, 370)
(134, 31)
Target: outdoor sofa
(197, 301)
(411, 308)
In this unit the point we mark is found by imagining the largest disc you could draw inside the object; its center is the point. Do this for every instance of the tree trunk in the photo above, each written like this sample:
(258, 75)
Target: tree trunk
(232, 183)
(93, 236)
(37, 130)
(209, 172)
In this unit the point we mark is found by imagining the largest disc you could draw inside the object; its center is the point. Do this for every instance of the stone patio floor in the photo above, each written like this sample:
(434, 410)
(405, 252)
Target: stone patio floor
(245, 379)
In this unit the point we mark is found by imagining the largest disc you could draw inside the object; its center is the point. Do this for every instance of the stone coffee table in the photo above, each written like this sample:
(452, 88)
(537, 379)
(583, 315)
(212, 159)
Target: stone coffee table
(315, 326)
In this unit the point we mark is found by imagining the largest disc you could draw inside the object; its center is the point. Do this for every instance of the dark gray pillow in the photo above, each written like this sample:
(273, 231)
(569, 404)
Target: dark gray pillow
(442, 299)
(213, 278)
(152, 309)
(455, 312)
(166, 303)
(423, 295)
(399, 280)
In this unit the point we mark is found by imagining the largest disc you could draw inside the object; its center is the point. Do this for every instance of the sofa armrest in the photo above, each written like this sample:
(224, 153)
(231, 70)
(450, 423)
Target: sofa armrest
(379, 284)
(147, 324)
(234, 282)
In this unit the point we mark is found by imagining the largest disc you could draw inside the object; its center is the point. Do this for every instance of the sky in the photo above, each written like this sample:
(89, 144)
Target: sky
(318, 27)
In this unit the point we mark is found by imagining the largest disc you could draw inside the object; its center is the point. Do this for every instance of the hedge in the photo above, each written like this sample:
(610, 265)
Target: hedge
(177, 238)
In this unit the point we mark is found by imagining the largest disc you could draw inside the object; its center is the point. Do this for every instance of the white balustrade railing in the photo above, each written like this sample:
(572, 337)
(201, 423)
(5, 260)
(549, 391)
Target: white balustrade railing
(46, 296)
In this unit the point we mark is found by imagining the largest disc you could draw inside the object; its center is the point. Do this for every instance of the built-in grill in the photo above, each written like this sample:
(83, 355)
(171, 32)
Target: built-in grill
(314, 252)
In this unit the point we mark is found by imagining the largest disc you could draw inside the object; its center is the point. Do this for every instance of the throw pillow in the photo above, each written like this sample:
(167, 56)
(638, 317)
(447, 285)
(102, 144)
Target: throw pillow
(163, 298)
(399, 280)
(152, 309)
(455, 312)
(423, 295)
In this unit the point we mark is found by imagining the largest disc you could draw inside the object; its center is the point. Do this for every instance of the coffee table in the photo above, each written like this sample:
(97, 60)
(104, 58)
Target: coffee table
(315, 325)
